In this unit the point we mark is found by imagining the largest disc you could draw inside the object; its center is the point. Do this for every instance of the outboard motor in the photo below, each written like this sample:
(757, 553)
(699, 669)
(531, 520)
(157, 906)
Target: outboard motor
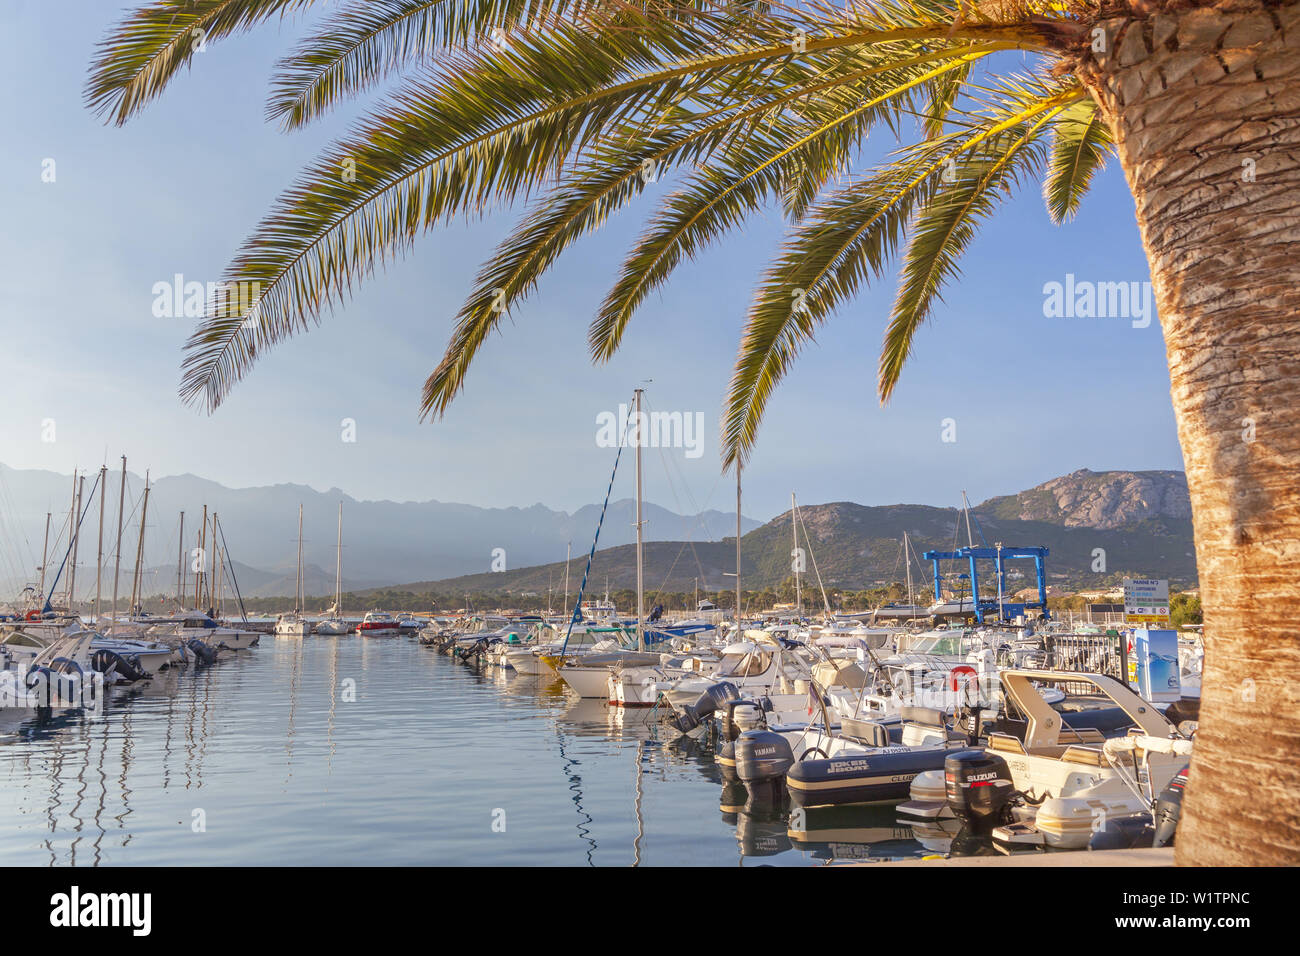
(742, 715)
(979, 789)
(1169, 808)
(109, 662)
(203, 654)
(712, 700)
(762, 755)
(58, 683)
(762, 759)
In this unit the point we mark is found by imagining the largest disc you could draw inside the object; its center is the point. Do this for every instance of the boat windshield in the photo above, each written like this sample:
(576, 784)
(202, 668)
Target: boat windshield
(749, 664)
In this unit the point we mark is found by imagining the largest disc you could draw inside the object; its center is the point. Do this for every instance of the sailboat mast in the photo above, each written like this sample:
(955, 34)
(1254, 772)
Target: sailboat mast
(794, 527)
(568, 552)
(198, 565)
(180, 565)
(117, 562)
(297, 608)
(738, 631)
(640, 596)
(45, 556)
(907, 559)
(965, 503)
(99, 557)
(74, 536)
(137, 582)
(338, 569)
(212, 578)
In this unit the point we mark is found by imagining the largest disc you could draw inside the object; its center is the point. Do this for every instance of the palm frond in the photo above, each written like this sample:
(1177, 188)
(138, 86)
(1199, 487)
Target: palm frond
(946, 227)
(720, 197)
(848, 239)
(1080, 143)
(490, 124)
(137, 60)
(369, 40)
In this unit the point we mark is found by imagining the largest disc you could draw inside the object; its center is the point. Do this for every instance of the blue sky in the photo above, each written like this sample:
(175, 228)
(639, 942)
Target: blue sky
(177, 189)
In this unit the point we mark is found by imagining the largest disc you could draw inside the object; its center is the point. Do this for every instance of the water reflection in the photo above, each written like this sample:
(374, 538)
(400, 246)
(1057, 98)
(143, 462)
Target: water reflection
(399, 755)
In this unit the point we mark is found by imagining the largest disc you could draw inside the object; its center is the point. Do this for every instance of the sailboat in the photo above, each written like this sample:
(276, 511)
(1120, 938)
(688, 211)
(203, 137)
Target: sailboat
(334, 624)
(295, 625)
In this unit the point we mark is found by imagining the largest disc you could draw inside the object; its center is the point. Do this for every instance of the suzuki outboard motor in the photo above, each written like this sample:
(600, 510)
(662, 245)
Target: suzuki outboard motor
(762, 759)
(712, 700)
(979, 789)
(1169, 807)
(203, 654)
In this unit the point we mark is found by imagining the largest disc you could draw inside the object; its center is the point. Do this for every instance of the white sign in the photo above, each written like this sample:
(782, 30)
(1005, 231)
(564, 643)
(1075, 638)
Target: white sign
(1146, 601)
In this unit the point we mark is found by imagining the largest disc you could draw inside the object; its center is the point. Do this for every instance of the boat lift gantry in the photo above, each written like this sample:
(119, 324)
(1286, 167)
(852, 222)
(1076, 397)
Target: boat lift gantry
(1001, 609)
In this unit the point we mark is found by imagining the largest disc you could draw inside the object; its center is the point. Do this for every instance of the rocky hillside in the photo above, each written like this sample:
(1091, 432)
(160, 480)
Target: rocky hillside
(1099, 499)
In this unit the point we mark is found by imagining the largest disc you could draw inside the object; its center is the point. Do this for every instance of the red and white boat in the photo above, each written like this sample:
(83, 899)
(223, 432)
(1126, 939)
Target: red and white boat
(379, 624)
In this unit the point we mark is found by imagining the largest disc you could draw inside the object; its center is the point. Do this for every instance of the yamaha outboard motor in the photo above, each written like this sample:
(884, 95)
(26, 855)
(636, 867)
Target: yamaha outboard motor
(762, 759)
(979, 789)
(712, 700)
(203, 654)
(1169, 807)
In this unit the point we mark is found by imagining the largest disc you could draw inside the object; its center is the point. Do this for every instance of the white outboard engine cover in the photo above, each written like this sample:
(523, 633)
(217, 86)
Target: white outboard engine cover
(748, 716)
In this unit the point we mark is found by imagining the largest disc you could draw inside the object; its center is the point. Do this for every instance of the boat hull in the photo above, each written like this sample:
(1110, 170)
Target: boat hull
(884, 777)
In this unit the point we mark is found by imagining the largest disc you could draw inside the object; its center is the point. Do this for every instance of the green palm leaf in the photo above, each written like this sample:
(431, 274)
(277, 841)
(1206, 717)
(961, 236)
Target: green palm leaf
(137, 61)
(1080, 143)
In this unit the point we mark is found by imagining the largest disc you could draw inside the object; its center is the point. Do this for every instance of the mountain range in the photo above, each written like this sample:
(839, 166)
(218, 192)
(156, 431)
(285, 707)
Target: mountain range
(1098, 526)
(383, 541)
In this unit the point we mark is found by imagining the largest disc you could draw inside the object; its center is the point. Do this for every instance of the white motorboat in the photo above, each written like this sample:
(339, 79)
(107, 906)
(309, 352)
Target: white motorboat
(589, 674)
(196, 625)
(1059, 785)
(756, 666)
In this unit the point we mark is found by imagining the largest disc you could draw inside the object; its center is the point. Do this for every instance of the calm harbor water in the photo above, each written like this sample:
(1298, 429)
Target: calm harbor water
(351, 751)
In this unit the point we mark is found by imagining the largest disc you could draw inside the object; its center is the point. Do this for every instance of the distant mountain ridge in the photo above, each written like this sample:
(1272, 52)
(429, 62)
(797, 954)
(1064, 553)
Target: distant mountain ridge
(1135, 523)
(383, 541)
(1139, 519)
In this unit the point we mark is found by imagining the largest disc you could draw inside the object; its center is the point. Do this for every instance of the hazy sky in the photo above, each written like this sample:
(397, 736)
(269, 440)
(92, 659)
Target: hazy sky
(177, 189)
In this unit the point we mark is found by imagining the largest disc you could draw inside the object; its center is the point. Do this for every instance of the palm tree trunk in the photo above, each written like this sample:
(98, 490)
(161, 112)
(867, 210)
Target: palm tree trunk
(1204, 106)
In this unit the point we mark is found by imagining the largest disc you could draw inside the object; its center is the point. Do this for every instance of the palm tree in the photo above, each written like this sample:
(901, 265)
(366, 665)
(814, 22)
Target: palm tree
(581, 106)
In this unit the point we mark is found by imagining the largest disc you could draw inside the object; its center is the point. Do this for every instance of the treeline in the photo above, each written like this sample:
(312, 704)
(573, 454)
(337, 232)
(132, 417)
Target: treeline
(435, 602)
(1183, 608)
